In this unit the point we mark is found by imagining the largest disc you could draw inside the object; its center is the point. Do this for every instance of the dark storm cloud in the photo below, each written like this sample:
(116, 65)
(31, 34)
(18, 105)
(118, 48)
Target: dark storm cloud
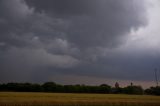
(13, 16)
(95, 23)
(83, 23)
(64, 8)
(39, 38)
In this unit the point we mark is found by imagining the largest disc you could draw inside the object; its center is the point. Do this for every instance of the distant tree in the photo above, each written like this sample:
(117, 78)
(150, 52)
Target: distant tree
(133, 90)
(104, 88)
(153, 91)
(53, 87)
(49, 87)
(116, 89)
(36, 88)
(117, 85)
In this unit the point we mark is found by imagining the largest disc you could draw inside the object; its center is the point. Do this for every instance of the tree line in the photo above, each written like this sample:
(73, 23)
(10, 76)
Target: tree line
(57, 88)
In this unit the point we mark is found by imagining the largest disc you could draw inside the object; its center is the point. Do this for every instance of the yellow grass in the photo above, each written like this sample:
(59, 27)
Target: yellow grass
(69, 99)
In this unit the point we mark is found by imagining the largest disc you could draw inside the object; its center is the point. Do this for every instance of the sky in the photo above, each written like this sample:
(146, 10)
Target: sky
(80, 41)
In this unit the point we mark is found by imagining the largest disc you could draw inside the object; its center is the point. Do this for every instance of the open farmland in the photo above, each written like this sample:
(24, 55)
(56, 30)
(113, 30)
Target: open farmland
(69, 99)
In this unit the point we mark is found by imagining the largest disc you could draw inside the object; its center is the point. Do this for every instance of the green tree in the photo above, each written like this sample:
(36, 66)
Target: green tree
(49, 87)
(133, 90)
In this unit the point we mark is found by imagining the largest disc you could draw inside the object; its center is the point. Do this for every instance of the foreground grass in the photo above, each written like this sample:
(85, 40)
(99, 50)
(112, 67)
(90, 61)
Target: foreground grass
(69, 99)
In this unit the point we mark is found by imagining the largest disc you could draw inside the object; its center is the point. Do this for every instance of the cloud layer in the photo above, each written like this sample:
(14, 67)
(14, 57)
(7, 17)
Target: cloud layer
(84, 38)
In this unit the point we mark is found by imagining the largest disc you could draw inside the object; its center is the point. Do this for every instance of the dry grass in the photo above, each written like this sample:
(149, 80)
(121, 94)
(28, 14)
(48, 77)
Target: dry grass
(69, 99)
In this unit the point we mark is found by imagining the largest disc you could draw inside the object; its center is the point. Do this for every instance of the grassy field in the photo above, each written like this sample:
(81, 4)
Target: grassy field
(69, 99)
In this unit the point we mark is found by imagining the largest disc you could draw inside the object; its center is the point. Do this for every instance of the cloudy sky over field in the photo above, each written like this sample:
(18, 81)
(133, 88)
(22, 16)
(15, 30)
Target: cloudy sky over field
(79, 41)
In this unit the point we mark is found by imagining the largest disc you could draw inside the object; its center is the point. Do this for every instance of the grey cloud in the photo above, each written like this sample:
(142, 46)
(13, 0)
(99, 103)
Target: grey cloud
(19, 63)
(96, 23)
(106, 23)
(41, 38)
(123, 66)
(17, 12)
(62, 7)
(14, 15)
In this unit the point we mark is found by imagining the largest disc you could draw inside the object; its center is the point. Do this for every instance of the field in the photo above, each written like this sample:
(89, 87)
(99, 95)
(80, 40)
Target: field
(69, 99)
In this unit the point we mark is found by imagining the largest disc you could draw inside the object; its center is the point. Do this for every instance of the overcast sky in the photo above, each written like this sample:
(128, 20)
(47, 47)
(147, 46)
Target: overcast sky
(79, 41)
